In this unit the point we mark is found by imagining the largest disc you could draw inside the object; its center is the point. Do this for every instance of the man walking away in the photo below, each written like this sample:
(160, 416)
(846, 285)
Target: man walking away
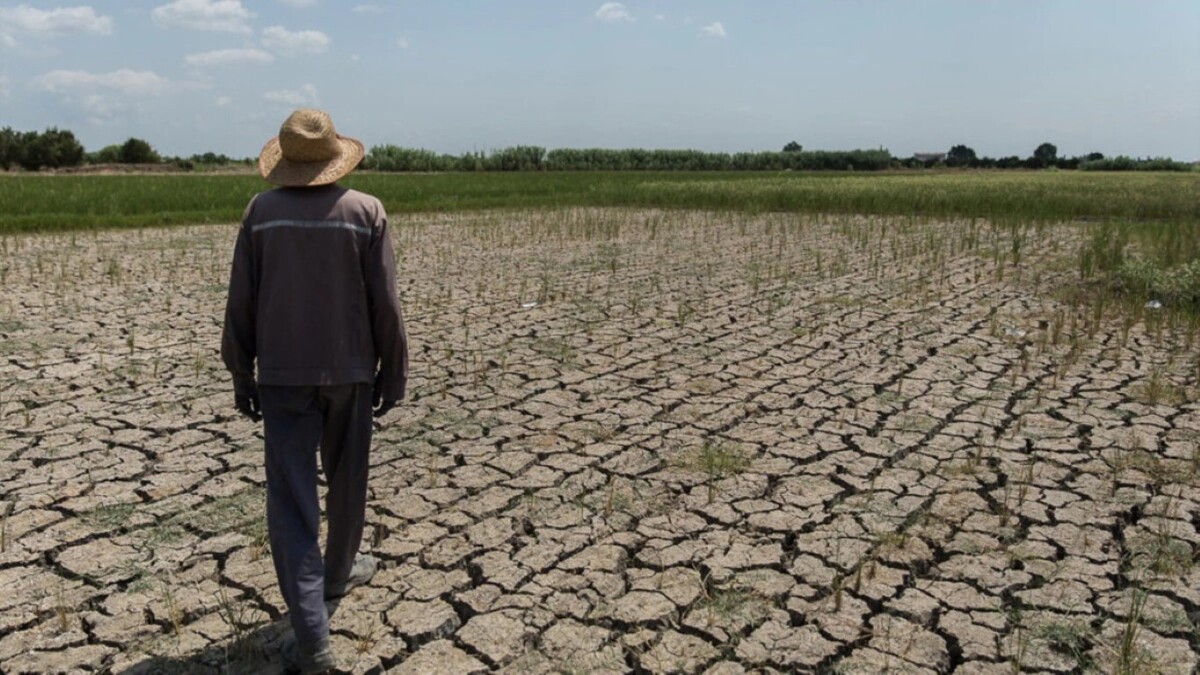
(312, 300)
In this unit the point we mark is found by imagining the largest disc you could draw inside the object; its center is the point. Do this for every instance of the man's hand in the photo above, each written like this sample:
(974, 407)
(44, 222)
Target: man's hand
(381, 406)
(245, 399)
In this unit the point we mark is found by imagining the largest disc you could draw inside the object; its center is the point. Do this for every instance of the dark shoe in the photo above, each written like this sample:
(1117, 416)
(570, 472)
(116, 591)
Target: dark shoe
(362, 572)
(309, 659)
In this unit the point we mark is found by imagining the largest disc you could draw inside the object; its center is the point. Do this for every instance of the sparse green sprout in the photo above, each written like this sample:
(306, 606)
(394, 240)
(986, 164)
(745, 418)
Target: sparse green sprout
(717, 460)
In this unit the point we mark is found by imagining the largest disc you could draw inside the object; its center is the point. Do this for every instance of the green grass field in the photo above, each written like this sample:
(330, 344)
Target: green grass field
(31, 203)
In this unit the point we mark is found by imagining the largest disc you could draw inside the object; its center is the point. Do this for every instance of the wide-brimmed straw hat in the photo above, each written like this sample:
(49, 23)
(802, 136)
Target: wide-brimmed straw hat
(308, 151)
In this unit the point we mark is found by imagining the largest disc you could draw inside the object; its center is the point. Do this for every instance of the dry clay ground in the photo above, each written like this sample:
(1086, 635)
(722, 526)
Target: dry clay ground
(636, 442)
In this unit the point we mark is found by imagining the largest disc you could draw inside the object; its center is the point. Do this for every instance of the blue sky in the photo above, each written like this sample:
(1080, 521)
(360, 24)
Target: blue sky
(1001, 76)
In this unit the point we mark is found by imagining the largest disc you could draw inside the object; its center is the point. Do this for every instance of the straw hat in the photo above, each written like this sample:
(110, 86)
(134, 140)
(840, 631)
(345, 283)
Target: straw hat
(308, 151)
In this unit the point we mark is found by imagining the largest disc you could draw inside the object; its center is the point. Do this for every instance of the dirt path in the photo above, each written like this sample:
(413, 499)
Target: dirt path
(637, 442)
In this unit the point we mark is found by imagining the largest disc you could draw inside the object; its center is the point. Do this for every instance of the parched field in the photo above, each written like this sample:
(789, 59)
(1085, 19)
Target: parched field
(637, 441)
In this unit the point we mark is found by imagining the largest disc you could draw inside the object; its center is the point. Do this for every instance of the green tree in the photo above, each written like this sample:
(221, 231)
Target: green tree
(49, 150)
(8, 148)
(109, 154)
(792, 146)
(961, 155)
(1046, 154)
(137, 151)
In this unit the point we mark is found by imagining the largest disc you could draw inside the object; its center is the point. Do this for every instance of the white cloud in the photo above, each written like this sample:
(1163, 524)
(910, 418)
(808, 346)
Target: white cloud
(215, 15)
(223, 101)
(291, 43)
(305, 95)
(103, 95)
(368, 9)
(224, 57)
(123, 81)
(660, 17)
(613, 11)
(101, 108)
(26, 21)
(402, 42)
(299, 3)
(714, 29)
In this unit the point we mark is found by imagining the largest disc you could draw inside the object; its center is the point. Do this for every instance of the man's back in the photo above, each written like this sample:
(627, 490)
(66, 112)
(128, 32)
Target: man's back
(312, 294)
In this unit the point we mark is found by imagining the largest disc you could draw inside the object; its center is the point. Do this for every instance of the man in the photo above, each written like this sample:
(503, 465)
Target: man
(312, 300)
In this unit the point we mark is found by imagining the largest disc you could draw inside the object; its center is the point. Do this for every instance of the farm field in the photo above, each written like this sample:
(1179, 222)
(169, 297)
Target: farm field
(638, 440)
(43, 203)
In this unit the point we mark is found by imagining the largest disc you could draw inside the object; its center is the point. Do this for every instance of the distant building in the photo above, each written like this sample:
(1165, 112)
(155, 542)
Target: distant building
(929, 157)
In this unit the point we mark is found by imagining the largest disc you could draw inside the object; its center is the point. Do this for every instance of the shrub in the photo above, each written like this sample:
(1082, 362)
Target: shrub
(109, 154)
(1123, 163)
(1177, 286)
(137, 151)
(50, 149)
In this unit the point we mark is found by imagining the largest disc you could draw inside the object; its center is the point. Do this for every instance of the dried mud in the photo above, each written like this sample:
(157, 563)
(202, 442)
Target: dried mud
(636, 442)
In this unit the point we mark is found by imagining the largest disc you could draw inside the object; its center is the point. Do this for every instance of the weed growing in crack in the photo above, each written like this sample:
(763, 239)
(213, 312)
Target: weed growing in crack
(1018, 645)
(610, 499)
(165, 532)
(1071, 638)
(1176, 621)
(1159, 389)
(432, 473)
(1158, 551)
(62, 610)
(240, 617)
(171, 605)
(600, 433)
(839, 582)
(1131, 659)
(5, 514)
(1004, 507)
(366, 641)
(558, 349)
(259, 540)
(731, 607)
(108, 517)
(243, 512)
(717, 461)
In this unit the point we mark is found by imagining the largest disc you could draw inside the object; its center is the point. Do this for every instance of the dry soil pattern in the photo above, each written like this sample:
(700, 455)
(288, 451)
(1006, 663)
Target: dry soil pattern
(636, 442)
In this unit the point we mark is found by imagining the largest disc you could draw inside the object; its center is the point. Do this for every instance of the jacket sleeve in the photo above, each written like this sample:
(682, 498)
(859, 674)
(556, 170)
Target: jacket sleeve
(387, 323)
(238, 338)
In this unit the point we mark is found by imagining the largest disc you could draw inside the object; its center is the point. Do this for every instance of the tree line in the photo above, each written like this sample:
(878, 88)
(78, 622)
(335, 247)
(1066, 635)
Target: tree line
(535, 158)
(56, 148)
(791, 157)
(1046, 156)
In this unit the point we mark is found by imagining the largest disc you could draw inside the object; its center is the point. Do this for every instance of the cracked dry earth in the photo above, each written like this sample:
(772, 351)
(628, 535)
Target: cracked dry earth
(636, 442)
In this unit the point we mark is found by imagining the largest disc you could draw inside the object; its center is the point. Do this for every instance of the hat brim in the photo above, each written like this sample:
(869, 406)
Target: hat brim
(278, 170)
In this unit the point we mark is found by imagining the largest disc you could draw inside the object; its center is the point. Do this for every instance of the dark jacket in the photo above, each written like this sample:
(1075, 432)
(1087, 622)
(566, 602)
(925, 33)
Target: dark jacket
(312, 293)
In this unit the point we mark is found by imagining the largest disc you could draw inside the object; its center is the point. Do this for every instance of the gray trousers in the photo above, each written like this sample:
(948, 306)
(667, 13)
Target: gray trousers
(296, 422)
